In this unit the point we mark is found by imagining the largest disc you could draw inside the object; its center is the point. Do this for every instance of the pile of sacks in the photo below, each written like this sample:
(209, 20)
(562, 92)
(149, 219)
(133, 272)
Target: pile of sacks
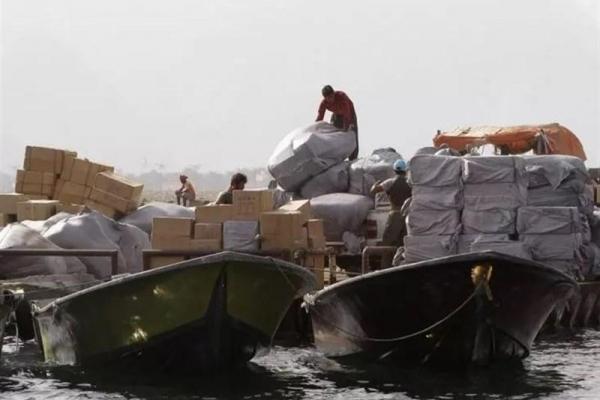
(311, 163)
(534, 207)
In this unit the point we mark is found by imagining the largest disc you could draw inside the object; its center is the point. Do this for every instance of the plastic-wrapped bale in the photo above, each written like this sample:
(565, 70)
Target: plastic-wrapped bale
(570, 196)
(241, 235)
(489, 196)
(143, 216)
(436, 198)
(466, 240)
(432, 170)
(308, 151)
(364, 172)
(550, 220)
(433, 222)
(341, 212)
(496, 220)
(333, 180)
(555, 246)
(493, 169)
(419, 248)
(511, 247)
(554, 170)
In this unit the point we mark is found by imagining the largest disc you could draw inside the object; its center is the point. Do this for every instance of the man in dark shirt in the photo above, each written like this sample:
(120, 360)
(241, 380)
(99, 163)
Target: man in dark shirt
(343, 114)
(238, 182)
(399, 192)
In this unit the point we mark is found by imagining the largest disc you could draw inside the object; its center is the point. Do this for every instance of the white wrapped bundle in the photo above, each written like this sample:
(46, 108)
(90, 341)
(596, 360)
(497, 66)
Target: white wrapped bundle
(431, 170)
(333, 180)
(433, 222)
(419, 248)
(240, 235)
(341, 212)
(489, 221)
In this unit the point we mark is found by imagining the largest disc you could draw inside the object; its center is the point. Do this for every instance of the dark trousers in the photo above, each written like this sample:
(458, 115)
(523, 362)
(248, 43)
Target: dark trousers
(338, 122)
(393, 235)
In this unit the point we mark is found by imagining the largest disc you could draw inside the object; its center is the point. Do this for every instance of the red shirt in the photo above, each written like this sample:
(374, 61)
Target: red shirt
(340, 105)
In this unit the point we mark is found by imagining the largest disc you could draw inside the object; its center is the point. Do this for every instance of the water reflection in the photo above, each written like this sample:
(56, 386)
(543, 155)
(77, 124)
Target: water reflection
(559, 368)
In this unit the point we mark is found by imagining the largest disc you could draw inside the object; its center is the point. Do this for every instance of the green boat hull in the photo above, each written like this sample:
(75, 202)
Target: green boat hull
(203, 314)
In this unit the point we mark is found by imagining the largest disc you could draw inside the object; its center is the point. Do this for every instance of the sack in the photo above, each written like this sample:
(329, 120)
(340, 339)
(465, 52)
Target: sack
(341, 212)
(308, 151)
(435, 170)
(436, 198)
(489, 196)
(333, 180)
(364, 172)
(550, 220)
(554, 247)
(433, 222)
(496, 220)
(492, 169)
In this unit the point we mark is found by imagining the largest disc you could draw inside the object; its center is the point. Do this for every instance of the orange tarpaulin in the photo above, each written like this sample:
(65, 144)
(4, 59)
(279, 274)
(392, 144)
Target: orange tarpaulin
(542, 139)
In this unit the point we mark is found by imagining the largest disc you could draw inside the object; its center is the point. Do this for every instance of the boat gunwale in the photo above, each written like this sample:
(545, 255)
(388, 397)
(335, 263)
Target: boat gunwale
(224, 256)
(487, 255)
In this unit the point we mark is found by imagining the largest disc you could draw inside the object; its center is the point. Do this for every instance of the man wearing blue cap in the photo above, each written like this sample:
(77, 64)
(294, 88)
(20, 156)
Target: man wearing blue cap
(398, 191)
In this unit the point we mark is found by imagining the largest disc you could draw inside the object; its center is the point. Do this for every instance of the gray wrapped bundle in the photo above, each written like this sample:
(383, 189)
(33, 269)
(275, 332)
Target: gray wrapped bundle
(433, 222)
(308, 151)
(240, 235)
(549, 220)
(546, 196)
(554, 170)
(364, 172)
(333, 180)
(341, 212)
(489, 196)
(431, 170)
(511, 247)
(436, 198)
(466, 240)
(496, 220)
(554, 247)
(492, 169)
(419, 248)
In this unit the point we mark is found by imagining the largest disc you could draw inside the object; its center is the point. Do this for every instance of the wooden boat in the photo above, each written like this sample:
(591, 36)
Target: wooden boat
(199, 315)
(468, 308)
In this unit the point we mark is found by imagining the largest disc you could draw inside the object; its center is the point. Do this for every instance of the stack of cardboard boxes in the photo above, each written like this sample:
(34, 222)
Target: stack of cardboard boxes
(8, 207)
(41, 169)
(76, 180)
(114, 195)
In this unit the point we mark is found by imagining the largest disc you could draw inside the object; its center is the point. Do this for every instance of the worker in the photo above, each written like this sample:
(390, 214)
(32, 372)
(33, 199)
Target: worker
(399, 192)
(238, 182)
(343, 114)
(186, 193)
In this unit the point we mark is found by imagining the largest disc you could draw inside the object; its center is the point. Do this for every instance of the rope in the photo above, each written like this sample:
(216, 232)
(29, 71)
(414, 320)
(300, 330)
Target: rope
(404, 337)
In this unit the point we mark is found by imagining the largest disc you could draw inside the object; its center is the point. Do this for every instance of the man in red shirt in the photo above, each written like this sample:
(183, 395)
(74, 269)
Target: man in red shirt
(343, 114)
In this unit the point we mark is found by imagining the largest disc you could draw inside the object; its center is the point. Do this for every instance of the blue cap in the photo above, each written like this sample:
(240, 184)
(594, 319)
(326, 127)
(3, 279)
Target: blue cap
(399, 166)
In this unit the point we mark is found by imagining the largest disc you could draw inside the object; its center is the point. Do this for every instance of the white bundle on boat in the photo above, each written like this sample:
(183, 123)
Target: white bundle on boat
(333, 180)
(341, 212)
(241, 235)
(496, 220)
(308, 151)
(492, 169)
(419, 248)
(433, 222)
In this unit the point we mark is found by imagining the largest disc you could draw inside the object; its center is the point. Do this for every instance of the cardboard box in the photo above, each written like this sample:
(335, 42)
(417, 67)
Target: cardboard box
(172, 227)
(82, 171)
(6, 219)
(249, 204)
(103, 209)
(36, 210)
(302, 206)
(315, 228)
(70, 208)
(71, 192)
(48, 190)
(8, 202)
(282, 230)
(203, 230)
(241, 236)
(44, 159)
(161, 261)
(111, 200)
(119, 186)
(171, 242)
(316, 264)
(35, 182)
(216, 214)
(206, 244)
(95, 169)
(67, 167)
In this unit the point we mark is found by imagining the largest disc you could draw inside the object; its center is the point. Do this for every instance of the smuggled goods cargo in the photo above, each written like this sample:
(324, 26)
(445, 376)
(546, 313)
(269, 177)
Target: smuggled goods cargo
(70, 208)
(207, 236)
(44, 159)
(364, 172)
(491, 221)
(511, 247)
(103, 209)
(302, 206)
(118, 203)
(554, 246)
(341, 212)
(436, 198)
(6, 219)
(207, 245)
(143, 216)
(465, 241)
(431, 170)
(308, 151)
(316, 234)
(116, 192)
(172, 233)
(488, 196)
(433, 222)
(333, 180)
(419, 248)
(35, 182)
(283, 230)
(249, 204)
(71, 192)
(82, 171)
(492, 169)
(241, 236)
(214, 213)
(550, 220)
(36, 210)
(8, 202)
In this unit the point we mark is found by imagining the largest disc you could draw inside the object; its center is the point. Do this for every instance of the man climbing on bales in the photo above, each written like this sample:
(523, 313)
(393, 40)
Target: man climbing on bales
(399, 192)
(186, 193)
(343, 114)
(238, 182)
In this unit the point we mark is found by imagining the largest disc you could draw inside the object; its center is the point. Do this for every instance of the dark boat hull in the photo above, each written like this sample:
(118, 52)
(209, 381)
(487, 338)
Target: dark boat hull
(200, 315)
(432, 312)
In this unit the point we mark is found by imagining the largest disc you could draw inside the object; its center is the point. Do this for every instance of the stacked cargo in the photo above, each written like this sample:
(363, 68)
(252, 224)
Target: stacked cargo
(434, 218)
(41, 168)
(8, 207)
(114, 195)
(76, 180)
(36, 210)
(171, 234)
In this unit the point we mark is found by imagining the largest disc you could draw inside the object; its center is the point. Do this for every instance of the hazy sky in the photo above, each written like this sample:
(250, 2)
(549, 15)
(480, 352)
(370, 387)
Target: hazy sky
(217, 83)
